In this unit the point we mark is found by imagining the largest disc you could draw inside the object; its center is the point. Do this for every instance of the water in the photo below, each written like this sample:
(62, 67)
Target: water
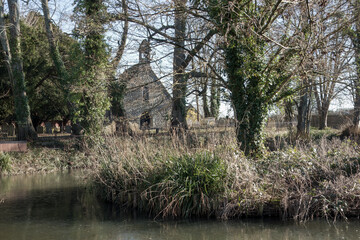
(58, 206)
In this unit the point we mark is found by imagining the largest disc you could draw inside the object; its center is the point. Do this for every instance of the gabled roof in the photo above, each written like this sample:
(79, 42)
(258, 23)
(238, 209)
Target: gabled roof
(142, 68)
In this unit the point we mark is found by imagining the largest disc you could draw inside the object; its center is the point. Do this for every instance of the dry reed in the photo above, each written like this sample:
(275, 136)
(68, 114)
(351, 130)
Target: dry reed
(171, 177)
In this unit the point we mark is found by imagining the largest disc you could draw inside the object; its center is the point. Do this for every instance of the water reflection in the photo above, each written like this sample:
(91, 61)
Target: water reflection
(60, 206)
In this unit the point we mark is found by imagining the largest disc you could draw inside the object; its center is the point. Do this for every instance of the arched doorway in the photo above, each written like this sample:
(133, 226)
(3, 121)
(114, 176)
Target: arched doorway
(145, 120)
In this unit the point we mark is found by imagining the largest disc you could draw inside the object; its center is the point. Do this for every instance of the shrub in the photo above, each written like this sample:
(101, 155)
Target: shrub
(5, 162)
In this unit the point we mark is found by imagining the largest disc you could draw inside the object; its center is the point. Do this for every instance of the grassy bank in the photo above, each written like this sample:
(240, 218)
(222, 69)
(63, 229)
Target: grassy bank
(209, 177)
(40, 159)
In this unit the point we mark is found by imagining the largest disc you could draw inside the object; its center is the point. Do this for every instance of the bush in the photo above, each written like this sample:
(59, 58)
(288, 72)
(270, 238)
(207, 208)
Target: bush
(5, 162)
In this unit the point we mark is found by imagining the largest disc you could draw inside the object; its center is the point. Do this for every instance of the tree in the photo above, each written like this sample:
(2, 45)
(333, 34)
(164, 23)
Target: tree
(54, 50)
(91, 92)
(48, 99)
(178, 113)
(14, 56)
(117, 88)
(356, 43)
(325, 44)
(331, 66)
(166, 24)
(6, 106)
(257, 66)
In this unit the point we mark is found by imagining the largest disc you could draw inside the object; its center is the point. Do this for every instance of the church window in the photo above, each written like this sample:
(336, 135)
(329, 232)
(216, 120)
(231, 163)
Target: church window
(146, 93)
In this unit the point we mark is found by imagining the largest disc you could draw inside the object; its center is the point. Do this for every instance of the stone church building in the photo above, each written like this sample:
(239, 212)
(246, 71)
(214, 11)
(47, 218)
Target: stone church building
(146, 101)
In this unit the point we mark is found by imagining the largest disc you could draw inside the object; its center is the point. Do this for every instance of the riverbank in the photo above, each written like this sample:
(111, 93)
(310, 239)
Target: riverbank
(51, 157)
(211, 178)
(206, 175)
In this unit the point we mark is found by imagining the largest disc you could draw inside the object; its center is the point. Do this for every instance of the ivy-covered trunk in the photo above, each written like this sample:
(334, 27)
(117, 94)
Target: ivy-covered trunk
(246, 84)
(117, 89)
(178, 113)
(58, 62)
(54, 50)
(92, 93)
(22, 110)
(5, 42)
(356, 43)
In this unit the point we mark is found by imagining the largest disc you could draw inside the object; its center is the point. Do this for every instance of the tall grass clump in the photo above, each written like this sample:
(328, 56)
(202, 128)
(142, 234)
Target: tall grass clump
(5, 162)
(189, 185)
(160, 181)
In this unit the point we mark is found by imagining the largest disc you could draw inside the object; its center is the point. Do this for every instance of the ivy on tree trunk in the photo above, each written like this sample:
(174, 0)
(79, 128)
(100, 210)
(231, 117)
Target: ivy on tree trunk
(356, 43)
(92, 93)
(178, 113)
(22, 109)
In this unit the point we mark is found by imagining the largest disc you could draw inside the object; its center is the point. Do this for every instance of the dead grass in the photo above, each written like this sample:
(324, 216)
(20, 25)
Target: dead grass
(302, 182)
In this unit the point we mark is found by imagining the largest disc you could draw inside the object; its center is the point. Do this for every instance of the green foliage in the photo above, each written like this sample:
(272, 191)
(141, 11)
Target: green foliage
(5, 162)
(191, 185)
(44, 88)
(197, 174)
(188, 185)
(91, 92)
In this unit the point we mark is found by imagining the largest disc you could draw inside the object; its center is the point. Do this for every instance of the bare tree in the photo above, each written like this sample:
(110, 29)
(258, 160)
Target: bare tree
(165, 23)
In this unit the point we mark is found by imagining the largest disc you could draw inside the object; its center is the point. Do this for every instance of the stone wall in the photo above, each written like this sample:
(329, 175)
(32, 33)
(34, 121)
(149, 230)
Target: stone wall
(146, 94)
(15, 146)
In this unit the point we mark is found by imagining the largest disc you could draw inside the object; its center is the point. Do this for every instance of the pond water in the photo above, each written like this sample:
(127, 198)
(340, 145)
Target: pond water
(60, 206)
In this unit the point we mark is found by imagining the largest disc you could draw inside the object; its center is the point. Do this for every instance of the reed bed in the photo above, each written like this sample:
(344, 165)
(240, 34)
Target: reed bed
(207, 176)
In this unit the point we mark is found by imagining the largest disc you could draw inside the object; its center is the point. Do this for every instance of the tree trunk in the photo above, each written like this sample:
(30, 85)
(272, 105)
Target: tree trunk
(205, 99)
(323, 115)
(94, 99)
(214, 99)
(250, 106)
(322, 105)
(22, 108)
(5, 42)
(178, 113)
(356, 43)
(303, 124)
(54, 51)
(57, 59)
(289, 115)
(117, 89)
